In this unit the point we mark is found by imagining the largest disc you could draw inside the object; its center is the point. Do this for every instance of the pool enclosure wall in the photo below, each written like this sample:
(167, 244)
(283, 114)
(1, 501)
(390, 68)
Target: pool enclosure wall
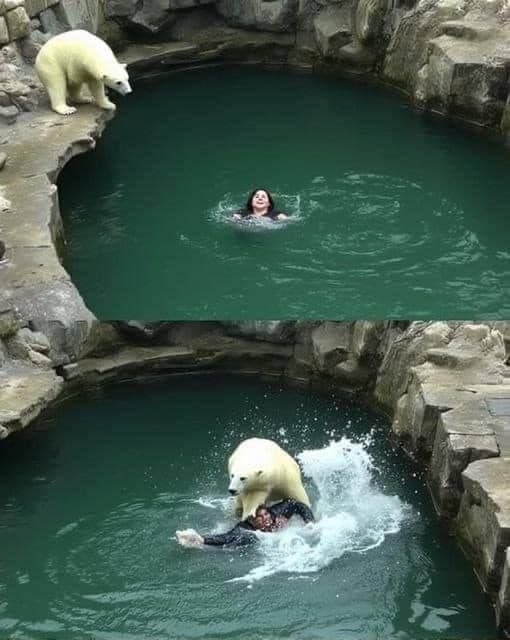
(445, 386)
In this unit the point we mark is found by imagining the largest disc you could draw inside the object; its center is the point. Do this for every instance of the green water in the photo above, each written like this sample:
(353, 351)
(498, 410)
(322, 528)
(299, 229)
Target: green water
(393, 214)
(90, 498)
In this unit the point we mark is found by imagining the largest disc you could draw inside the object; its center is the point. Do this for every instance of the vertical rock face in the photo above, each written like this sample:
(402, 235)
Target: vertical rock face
(483, 523)
(270, 15)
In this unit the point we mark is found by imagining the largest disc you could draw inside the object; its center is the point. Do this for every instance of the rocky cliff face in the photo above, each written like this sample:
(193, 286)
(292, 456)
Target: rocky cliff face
(449, 56)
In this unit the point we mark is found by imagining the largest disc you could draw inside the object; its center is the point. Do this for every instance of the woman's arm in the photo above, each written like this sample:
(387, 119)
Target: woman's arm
(239, 536)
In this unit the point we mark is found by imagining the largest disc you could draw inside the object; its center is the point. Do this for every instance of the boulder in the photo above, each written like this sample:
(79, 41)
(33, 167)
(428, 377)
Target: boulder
(24, 392)
(483, 522)
(9, 323)
(333, 29)
(270, 331)
(276, 15)
(18, 23)
(331, 343)
(463, 435)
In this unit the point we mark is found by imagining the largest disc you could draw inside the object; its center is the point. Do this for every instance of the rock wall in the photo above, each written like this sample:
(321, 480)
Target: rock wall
(449, 56)
(446, 387)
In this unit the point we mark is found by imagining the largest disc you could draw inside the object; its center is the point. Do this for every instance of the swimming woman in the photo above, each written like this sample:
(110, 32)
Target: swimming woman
(266, 519)
(260, 204)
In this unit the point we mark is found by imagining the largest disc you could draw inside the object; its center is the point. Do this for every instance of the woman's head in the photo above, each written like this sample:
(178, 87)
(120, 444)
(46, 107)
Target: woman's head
(259, 199)
(262, 521)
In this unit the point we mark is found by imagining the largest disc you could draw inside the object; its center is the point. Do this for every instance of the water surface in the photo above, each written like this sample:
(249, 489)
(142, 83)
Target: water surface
(90, 499)
(392, 214)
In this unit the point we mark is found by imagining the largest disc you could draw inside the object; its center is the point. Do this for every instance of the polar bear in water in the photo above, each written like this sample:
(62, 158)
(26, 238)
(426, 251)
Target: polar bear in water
(261, 471)
(74, 58)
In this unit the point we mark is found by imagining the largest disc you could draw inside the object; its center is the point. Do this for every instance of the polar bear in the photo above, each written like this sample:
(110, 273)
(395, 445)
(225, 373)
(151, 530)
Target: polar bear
(261, 471)
(74, 58)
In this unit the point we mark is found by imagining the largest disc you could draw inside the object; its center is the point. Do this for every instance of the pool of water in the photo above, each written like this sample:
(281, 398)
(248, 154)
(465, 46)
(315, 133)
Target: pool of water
(90, 499)
(392, 214)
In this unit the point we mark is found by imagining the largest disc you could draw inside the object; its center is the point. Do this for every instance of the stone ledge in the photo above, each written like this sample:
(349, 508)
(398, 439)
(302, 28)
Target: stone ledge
(483, 523)
(128, 360)
(226, 354)
(34, 283)
(24, 393)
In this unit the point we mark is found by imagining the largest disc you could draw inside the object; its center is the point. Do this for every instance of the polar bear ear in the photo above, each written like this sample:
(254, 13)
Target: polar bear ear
(259, 473)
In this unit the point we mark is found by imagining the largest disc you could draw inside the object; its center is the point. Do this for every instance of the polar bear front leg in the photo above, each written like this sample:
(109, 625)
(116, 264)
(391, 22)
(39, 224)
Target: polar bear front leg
(97, 90)
(56, 87)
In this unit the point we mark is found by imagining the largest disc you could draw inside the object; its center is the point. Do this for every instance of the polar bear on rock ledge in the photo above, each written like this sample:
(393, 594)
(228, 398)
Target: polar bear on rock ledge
(260, 472)
(74, 58)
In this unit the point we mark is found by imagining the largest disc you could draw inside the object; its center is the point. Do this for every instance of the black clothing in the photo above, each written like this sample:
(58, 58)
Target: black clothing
(242, 534)
(272, 214)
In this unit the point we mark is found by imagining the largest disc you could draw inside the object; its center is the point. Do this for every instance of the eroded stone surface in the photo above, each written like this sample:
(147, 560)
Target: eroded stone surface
(483, 523)
(24, 392)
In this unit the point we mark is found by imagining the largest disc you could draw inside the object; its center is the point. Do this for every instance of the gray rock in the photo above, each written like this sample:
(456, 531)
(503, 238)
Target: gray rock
(9, 323)
(120, 8)
(188, 4)
(366, 338)
(333, 29)
(153, 16)
(483, 522)
(34, 7)
(29, 346)
(8, 115)
(331, 344)
(404, 351)
(18, 23)
(277, 15)
(13, 4)
(34, 339)
(369, 18)
(463, 435)
(67, 339)
(188, 24)
(24, 392)
(503, 600)
(271, 331)
(4, 32)
(71, 14)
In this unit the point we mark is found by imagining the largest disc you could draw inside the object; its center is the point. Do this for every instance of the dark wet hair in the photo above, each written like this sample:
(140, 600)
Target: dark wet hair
(249, 207)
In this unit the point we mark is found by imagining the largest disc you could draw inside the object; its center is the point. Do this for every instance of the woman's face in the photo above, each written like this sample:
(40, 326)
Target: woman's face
(260, 200)
(262, 520)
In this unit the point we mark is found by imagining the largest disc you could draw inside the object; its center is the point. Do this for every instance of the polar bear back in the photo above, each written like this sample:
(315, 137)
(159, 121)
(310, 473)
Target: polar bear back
(78, 53)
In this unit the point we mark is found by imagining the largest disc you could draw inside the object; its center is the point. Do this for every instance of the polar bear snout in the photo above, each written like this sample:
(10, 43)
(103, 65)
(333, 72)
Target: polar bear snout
(125, 88)
(233, 492)
(121, 86)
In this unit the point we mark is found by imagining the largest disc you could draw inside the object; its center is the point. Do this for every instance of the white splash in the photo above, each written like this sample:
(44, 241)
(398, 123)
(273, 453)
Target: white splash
(352, 515)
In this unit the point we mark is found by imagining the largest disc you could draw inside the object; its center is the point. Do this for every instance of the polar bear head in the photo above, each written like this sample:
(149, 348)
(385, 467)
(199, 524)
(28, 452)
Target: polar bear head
(117, 78)
(245, 479)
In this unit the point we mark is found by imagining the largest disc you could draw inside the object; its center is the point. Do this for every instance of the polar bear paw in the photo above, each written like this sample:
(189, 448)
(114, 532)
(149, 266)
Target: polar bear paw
(64, 109)
(108, 105)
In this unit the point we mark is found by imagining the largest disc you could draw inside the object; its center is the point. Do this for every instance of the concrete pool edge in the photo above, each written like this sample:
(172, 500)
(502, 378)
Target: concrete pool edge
(439, 383)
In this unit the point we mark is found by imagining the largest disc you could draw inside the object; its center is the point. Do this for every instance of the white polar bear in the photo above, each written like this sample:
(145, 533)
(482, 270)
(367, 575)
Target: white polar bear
(261, 471)
(74, 58)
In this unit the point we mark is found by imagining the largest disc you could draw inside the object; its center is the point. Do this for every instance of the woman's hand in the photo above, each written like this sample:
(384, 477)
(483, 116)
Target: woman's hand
(236, 216)
(281, 216)
(189, 538)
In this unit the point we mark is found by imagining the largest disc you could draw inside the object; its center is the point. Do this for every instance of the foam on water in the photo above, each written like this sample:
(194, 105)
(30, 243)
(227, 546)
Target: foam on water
(353, 516)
